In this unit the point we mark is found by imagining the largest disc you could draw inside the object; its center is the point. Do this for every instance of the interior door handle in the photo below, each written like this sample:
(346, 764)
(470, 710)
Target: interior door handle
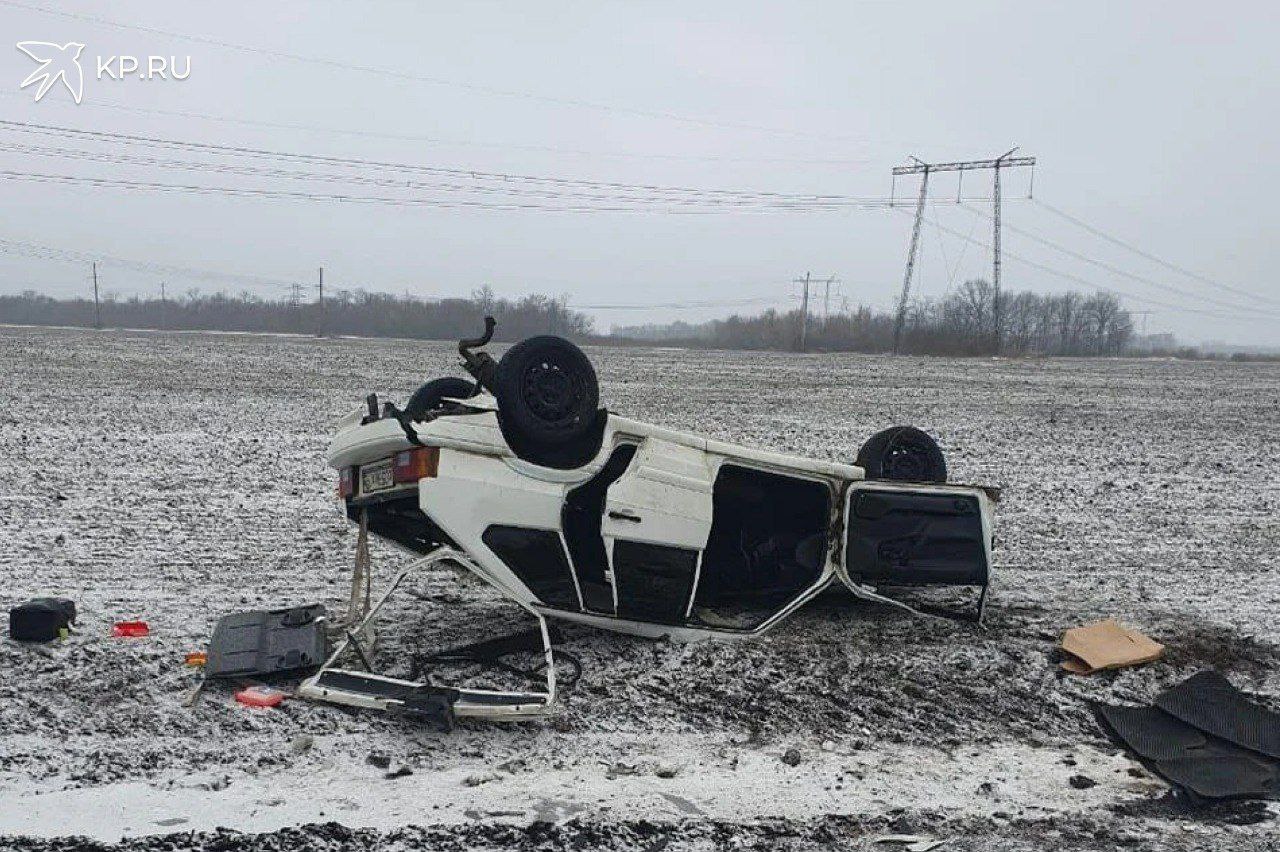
(624, 516)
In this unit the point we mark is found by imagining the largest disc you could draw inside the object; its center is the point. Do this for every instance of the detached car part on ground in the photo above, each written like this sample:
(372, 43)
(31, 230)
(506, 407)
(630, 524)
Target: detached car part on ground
(576, 513)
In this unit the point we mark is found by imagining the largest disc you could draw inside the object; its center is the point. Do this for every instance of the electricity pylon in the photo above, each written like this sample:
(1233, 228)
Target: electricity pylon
(1004, 161)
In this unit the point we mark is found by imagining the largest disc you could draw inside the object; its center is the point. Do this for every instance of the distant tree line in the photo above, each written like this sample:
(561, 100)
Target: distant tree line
(961, 323)
(350, 312)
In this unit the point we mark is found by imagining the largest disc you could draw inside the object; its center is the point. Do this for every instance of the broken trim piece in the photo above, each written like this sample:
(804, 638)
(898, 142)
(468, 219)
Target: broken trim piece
(370, 690)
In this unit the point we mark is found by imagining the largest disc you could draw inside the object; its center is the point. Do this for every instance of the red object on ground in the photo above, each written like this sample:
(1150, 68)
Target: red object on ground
(130, 628)
(259, 696)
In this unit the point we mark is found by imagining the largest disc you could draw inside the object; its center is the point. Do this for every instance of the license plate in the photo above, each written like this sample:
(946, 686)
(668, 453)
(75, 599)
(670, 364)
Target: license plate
(376, 477)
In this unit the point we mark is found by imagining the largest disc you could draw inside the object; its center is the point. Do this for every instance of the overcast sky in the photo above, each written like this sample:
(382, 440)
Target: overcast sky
(1155, 123)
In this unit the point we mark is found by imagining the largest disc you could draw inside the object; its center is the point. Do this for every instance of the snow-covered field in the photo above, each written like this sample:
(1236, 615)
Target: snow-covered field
(175, 477)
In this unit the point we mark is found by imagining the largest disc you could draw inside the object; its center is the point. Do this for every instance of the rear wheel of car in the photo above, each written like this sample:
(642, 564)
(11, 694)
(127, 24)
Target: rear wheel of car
(548, 402)
(433, 393)
(903, 454)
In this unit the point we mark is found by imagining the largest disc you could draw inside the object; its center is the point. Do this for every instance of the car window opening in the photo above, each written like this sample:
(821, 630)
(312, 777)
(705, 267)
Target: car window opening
(537, 559)
(768, 544)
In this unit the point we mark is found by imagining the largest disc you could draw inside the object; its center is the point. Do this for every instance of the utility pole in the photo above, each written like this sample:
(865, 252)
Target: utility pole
(1146, 315)
(164, 308)
(320, 333)
(995, 254)
(97, 306)
(1004, 161)
(911, 255)
(826, 300)
(804, 312)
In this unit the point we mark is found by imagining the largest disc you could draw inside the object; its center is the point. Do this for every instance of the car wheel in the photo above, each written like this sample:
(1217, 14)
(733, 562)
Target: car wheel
(429, 396)
(548, 398)
(903, 454)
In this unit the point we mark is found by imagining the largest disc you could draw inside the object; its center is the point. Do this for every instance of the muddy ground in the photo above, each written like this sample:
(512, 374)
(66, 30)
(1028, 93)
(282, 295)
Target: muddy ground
(175, 477)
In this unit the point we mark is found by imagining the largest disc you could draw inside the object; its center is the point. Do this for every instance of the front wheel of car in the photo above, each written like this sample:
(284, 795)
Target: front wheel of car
(548, 402)
(903, 454)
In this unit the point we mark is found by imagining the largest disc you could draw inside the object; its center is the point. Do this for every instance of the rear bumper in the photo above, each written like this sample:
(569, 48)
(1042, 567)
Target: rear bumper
(358, 445)
(439, 703)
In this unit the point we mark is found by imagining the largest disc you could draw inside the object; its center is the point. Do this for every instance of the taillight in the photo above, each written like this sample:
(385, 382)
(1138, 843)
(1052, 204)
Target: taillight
(412, 465)
(346, 482)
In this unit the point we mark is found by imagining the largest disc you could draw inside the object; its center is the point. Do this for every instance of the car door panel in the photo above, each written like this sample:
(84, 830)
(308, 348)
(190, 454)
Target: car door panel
(908, 534)
(656, 522)
(663, 498)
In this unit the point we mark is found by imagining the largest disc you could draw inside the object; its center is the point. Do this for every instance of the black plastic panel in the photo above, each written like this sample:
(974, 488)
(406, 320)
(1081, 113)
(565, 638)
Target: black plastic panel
(1211, 703)
(1185, 755)
(263, 642)
(537, 558)
(913, 538)
(654, 581)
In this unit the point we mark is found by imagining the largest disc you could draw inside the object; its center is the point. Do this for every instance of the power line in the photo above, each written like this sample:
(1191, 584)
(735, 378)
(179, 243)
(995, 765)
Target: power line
(1097, 232)
(295, 287)
(1078, 280)
(456, 143)
(494, 91)
(43, 252)
(401, 183)
(1115, 270)
(259, 192)
(472, 174)
(693, 305)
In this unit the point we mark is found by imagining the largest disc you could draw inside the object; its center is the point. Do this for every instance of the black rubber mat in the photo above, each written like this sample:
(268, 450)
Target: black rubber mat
(1222, 776)
(1209, 702)
(1200, 758)
(1152, 733)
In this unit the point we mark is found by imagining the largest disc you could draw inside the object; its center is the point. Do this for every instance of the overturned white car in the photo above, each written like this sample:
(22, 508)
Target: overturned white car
(579, 514)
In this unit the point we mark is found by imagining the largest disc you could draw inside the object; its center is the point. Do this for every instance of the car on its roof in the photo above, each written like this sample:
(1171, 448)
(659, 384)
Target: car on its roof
(582, 515)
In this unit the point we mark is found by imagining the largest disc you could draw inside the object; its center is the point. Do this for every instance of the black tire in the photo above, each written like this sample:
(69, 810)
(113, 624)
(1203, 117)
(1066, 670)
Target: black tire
(903, 454)
(548, 397)
(429, 396)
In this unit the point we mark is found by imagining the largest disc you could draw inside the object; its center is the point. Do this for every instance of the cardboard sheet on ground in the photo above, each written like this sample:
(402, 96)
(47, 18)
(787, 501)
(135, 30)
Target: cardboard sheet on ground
(1107, 644)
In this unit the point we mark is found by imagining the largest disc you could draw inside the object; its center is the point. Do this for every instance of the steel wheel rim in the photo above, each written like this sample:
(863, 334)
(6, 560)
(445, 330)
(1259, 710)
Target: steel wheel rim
(552, 393)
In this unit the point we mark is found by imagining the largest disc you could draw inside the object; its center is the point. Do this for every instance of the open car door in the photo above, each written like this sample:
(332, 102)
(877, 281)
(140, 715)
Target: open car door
(657, 517)
(906, 534)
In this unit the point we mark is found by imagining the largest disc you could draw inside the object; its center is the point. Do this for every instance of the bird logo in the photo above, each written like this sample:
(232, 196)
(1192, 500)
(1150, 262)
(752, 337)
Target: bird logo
(57, 62)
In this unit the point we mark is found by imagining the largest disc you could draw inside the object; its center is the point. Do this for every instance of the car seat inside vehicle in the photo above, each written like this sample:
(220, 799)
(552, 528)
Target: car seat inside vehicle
(768, 543)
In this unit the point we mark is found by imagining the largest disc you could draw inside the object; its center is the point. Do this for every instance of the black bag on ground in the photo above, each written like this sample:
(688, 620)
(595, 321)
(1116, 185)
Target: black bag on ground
(41, 619)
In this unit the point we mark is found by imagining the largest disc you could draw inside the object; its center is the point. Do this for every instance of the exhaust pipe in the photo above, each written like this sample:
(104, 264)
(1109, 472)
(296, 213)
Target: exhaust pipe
(480, 364)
